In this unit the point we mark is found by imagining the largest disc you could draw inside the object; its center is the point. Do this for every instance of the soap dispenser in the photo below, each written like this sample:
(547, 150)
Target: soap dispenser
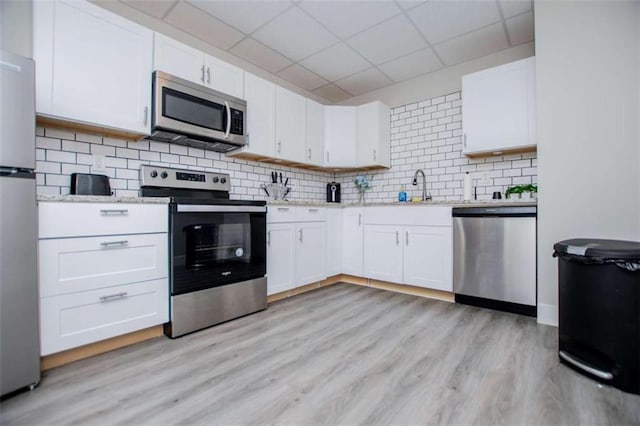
(402, 195)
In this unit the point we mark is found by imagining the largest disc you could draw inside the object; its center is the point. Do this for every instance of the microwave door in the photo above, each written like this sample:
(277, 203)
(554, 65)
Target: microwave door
(228, 129)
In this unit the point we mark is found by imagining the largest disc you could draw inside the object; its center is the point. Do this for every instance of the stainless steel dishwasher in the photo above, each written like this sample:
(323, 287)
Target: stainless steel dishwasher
(494, 257)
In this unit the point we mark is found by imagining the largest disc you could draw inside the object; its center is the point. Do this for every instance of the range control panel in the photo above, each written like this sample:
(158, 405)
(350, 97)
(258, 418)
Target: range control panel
(179, 178)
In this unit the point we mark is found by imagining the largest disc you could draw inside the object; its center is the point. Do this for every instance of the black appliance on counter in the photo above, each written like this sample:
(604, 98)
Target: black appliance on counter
(217, 250)
(333, 192)
(89, 184)
(599, 310)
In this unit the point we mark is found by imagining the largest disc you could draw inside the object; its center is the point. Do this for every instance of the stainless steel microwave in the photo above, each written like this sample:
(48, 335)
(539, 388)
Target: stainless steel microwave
(187, 113)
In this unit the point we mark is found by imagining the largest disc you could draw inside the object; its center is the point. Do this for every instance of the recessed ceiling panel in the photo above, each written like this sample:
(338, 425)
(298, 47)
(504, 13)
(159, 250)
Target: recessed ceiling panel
(157, 8)
(302, 77)
(346, 18)
(443, 20)
(364, 82)
(188, 18)
(514, 7)
(257, 53)
(332, 93)
(245, 15)
(473, 45)
(406, 67)
(520, 29)
(336, 62)
(388, 40)
(295, 35)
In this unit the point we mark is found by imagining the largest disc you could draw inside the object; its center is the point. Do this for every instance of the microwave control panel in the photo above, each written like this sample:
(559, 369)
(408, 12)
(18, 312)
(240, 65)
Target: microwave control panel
(167, 177)
(237, 122)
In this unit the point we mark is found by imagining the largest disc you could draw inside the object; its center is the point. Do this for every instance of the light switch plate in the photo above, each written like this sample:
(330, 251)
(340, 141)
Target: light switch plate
(99, 163)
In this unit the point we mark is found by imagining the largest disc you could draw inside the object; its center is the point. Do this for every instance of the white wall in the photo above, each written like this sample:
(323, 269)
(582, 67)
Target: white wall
(588, 67)
(16, 26)
(441, 82)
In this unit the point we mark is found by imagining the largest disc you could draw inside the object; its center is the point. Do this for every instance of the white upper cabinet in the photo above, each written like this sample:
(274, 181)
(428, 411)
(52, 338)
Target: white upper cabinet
(261, 97)
(184, 61)
(374, 134)
(92, 66)
(291, 125)
(315, 133)
(340, 133)
(498, 108)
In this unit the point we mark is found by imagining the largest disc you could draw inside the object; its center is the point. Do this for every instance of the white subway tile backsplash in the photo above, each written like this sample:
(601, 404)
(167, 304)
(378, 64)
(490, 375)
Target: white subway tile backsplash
(72, 146)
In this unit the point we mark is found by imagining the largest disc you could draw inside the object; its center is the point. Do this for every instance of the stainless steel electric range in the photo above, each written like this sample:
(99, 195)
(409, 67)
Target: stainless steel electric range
(217, 248)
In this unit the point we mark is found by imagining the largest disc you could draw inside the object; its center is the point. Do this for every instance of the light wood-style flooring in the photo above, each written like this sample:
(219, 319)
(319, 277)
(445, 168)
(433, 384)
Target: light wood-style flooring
(343, 354)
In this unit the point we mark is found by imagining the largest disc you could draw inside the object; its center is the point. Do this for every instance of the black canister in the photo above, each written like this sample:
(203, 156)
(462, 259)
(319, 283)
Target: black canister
(333, 192)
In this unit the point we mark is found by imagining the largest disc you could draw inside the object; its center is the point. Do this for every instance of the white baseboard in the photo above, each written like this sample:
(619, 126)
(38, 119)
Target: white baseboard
(548, 314)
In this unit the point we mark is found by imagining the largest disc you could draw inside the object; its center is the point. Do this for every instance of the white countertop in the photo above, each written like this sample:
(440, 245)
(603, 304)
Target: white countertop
(477, 203)
(104, 199)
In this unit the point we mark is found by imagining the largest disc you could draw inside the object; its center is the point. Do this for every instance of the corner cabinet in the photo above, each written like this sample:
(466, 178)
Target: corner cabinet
(93, 67)
(499, 109)
(374, 134)
(103, 271)
(340, 134)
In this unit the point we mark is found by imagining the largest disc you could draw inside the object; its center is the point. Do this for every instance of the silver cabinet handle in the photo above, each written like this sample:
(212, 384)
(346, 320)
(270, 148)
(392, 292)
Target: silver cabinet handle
(114, 211)
(300, 231)
(374, 155)
(113, 296)
(313, 210)
(226, 133)
(283, 209)
(114, 243)
(146, 114)
(309, 153)
(208, 75)
(269, 238)
(202, 76)
(397, 238)
(465, 140)
(359, 219)
(328, 157)
(279, 146)
(407, 237)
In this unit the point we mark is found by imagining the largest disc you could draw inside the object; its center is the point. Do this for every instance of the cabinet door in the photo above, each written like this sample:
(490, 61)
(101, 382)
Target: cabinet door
(334, 242)
(92, 66)
(315, 133)
(340, 136)
(224, 77)
(178, 59)
(261, 97)
(374, 134)
(498, 108)
(281, 257)
(291, 125)
(383, 253)
(428, 257)
(310, 253)
(352, 241)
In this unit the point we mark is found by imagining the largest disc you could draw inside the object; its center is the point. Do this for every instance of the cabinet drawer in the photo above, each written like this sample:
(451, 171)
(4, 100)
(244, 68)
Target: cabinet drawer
(69, 265)
(276, 214)
(311, 214)
(87, 219)
(409, 215)
(77, 319)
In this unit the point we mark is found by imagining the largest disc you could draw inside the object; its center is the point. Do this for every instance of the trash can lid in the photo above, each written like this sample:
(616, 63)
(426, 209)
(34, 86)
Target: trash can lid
(607, 249)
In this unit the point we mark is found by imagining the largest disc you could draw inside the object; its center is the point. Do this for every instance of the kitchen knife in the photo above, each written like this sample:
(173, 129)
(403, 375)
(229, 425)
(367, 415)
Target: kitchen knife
(265, 190)
(274, 177)
(280, 177)
(286, 192)
(286, 182)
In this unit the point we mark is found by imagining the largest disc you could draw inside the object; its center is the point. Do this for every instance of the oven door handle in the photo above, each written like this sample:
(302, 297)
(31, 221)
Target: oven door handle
(192, 208)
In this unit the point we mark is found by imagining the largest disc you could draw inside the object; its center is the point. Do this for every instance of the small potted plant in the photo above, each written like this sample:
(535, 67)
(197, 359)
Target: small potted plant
(362, 184)
(524, 192)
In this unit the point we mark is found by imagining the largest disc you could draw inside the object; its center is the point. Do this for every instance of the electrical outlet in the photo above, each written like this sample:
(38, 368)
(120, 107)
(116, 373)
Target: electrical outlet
(99, 163)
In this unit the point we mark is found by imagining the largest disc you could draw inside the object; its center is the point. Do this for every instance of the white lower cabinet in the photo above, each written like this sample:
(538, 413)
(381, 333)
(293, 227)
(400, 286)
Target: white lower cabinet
(413, 247)
(310, 253)
(334, 242)
(98, 280)
(352, 240)
(281, 254)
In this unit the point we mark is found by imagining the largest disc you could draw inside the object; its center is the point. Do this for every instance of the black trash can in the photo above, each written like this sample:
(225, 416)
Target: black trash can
(599, 310)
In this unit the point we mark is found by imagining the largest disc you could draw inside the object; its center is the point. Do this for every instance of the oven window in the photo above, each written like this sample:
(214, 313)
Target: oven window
(193, 110)
(211, 244)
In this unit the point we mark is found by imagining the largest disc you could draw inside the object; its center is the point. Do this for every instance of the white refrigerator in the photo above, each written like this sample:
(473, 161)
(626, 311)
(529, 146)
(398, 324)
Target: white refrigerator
(19, 323)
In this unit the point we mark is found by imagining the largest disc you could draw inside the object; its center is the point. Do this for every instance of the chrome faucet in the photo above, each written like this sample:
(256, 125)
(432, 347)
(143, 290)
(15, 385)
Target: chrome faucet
(425, 197)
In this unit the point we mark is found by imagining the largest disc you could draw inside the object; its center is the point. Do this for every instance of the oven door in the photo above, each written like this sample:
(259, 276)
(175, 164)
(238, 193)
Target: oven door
(214, 245)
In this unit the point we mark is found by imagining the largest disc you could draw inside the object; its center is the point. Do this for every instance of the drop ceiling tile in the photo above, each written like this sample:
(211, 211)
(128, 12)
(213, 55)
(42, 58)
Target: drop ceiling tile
(388, 40)
(257, 53)
(246, 15)
(202, 25)
(336, 62)
(520, 28)
(364, 82)
(443, 20)
(346, 18)
(157, 8)
(332, 93)
(420, 62)
(295, 35)
(473, 45)
(302, 77)
(514, 7)
(409, 4)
